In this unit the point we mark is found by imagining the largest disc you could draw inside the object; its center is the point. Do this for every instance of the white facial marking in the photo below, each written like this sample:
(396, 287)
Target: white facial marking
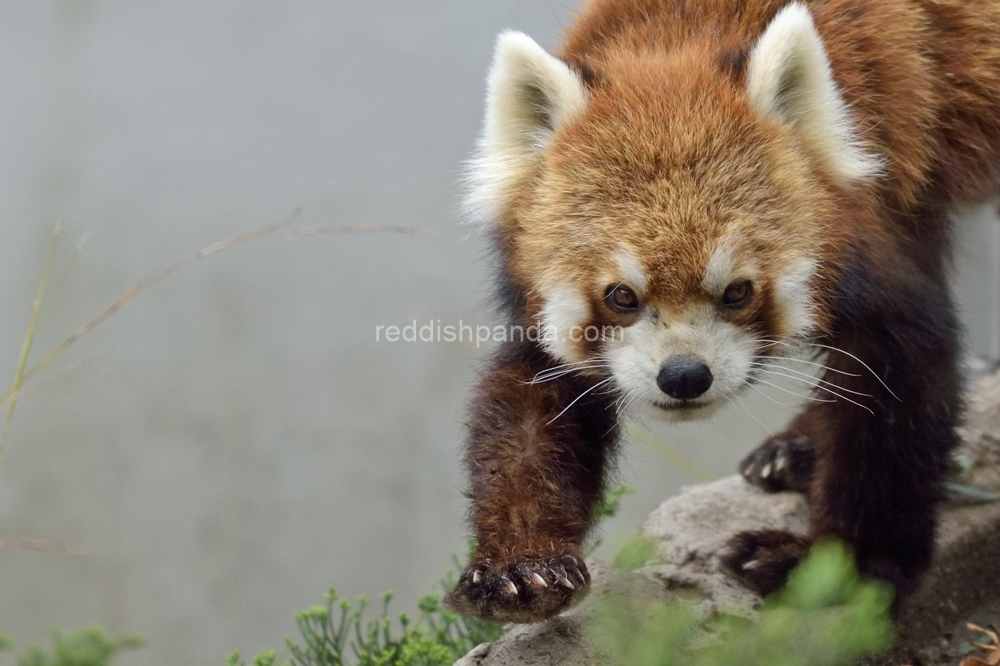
(793, 297)
(789, 78)
(630, 270)
(636, 359)
(722, 269)
(530, 93)
(719, 271)
(564, 309)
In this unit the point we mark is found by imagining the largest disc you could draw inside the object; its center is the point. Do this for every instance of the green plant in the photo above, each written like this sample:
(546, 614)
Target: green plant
(825, 616)
(605, 509)
(610, 503)
(83, 647)
(338, 633)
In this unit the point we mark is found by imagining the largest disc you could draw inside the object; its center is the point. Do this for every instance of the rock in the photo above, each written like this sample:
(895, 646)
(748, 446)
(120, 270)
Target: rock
(693, 527)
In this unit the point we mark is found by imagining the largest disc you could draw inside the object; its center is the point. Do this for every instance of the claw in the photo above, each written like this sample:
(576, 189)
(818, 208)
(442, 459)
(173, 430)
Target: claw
(565, 582)
(511, 588)
(752, 564)
(477, 578)
(782, 463)
(766, 472)
(538, 580)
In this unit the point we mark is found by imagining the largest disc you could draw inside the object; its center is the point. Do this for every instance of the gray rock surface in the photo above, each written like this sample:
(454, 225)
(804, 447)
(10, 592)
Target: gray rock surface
(691, 528)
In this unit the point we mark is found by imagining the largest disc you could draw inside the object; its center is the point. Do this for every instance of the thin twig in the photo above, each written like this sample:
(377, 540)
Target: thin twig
(69, 368)
(157, 276)
(77, 251)
(43, 545)
(29, 338)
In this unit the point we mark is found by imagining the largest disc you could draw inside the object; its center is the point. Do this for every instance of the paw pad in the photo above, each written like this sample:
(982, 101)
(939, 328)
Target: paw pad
(762, 560)
(523, 590)
(784, 462)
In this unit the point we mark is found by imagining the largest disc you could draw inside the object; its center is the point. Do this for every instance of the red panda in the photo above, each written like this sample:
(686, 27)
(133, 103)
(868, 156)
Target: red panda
(724, 183)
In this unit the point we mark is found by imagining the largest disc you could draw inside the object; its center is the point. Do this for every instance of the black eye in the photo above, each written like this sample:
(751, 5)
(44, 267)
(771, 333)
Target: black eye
(737, 295)
(622, 298)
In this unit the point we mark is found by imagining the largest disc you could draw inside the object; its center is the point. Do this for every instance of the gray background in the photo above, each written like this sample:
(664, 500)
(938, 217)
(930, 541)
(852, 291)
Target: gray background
(248, 443)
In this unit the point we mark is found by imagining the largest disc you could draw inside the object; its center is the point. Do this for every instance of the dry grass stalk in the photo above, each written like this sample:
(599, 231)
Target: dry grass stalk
(24, 373)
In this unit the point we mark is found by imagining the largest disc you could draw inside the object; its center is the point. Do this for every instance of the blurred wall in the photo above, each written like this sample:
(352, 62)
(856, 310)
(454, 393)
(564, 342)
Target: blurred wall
(247, 443)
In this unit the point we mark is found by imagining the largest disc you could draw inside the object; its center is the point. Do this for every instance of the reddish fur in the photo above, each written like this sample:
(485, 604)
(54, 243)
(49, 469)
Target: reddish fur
(670, 172)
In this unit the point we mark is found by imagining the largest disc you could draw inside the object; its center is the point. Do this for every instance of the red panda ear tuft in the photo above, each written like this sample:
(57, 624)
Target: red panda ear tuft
(530, 94)
(789, 78)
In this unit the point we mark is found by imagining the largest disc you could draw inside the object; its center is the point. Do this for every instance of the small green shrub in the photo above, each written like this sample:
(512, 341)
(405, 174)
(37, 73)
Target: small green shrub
(83, 647)
(825, 616)
(338, 634)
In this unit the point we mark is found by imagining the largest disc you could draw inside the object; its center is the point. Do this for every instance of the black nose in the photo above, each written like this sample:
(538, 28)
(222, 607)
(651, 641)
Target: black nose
(684, 378)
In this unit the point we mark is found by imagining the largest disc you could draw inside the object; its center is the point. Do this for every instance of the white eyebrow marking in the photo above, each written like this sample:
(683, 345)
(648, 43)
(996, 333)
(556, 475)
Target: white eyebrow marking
(630, 269)
(718, 271)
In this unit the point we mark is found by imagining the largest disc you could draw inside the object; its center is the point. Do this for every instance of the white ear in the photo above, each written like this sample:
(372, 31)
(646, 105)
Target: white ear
(789, 78)
(530, 94)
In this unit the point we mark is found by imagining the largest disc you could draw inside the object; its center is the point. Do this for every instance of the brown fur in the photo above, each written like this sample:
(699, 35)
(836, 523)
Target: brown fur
(670, 156)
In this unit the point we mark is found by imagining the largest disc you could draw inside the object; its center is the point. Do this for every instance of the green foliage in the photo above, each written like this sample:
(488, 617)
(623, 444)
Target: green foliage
(338, 633)
(83, 647)
(636, 552)
(826, 616)
(605, 509)
(610, 503)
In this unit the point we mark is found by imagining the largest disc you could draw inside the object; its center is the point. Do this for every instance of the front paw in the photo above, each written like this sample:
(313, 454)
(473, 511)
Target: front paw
(762, 560)
(783, 462)
(524, 589)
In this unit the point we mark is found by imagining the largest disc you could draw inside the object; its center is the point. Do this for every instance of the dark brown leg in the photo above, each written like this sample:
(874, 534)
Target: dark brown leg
(537, 461)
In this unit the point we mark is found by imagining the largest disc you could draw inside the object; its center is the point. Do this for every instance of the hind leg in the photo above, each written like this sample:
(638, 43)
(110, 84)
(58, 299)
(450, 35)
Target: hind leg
(785, 461)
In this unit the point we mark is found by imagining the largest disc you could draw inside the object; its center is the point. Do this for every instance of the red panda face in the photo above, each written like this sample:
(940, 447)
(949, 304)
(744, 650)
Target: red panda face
(675, 252)
(668, 223)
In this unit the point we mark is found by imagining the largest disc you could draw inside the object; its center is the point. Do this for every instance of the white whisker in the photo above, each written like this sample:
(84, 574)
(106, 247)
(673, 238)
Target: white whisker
(623, 402)
(803, 397)
(816, 344)
(802, 376)
(550, 374)
(578, 398)
(774, 400)
(745, 409)
(845, 353)
(812, 363)
(564, 370)
(817, 387)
